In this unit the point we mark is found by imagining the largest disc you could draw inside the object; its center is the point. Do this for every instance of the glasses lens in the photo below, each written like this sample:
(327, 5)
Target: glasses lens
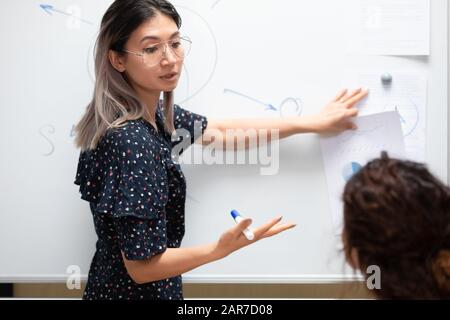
(152, 55)
(186, 44)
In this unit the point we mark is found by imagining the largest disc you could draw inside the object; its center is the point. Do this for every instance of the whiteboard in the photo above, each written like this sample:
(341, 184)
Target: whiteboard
(268, 50)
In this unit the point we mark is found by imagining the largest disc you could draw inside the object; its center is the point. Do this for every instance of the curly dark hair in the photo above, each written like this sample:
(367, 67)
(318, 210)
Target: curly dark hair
(397, 217)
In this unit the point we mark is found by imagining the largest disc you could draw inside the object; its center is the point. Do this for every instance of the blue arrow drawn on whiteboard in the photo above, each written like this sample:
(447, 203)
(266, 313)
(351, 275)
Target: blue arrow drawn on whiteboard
(50, 9)
(267, 105)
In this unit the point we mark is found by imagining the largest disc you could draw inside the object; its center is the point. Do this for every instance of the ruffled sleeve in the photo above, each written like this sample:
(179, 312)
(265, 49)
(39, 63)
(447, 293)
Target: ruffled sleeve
(139, 238)
(124, 176)
(189, 127)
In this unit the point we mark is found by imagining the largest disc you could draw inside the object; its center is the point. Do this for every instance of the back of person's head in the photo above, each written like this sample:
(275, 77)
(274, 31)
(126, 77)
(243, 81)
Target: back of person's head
(397, 217)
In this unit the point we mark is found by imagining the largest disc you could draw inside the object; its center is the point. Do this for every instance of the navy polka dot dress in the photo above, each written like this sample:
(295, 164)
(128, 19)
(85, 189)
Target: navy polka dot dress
(136, 192)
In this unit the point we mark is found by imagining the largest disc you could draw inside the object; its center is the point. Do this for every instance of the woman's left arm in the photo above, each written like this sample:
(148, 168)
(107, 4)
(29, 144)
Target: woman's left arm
(335, 117)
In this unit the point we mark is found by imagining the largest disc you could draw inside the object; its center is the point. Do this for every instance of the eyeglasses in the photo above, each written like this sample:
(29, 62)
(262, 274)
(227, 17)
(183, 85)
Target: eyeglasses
(152, 55)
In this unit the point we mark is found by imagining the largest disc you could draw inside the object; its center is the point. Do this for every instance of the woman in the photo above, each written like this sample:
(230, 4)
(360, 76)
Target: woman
(397, 218)
(126, 171)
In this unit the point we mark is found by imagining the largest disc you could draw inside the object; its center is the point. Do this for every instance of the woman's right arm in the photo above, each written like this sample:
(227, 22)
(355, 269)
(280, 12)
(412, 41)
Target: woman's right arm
(176, 261)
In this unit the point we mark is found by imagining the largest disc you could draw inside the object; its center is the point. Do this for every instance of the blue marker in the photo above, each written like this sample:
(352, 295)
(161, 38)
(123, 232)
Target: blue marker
(238, 218)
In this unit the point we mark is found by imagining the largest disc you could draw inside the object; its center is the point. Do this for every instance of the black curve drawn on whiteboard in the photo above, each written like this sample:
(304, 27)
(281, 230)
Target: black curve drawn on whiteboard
(52, 131)
(91, 50)
(188, 81)
(216, 54)
(417, 117)
(215, 4)
(191, 198)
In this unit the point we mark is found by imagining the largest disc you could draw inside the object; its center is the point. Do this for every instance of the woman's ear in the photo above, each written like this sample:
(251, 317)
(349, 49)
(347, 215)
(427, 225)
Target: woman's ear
(117, 61)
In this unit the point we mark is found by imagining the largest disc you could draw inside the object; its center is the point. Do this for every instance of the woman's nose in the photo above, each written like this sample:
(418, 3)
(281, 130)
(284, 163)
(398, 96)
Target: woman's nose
(169, 56)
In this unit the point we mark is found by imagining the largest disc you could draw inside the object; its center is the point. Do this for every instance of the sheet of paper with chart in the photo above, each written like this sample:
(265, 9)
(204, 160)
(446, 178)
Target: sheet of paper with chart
(389, 27)
(407, 94)
(345, 154)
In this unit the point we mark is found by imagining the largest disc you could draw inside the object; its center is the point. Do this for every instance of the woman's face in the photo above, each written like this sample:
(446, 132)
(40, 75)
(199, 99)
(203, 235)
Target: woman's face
(158, 75)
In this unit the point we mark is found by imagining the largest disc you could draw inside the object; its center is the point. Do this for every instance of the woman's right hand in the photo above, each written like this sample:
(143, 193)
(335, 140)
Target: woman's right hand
(338, 114)
(233, 239)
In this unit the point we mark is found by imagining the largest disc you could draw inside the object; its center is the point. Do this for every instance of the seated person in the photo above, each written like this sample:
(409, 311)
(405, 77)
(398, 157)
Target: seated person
(397, 217)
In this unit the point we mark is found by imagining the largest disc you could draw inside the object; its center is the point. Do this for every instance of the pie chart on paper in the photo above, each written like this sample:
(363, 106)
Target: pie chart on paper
(350, 169)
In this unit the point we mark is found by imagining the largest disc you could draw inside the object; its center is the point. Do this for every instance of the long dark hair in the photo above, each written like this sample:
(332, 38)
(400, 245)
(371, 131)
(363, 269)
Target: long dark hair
(397, 216)
(114, 100)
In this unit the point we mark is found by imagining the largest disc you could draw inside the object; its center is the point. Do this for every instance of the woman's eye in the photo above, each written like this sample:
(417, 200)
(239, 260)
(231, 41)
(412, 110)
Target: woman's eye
(176, 44)
(150, 50)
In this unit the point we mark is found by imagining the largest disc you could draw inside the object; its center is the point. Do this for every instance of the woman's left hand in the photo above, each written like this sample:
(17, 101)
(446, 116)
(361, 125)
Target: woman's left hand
(336, 116)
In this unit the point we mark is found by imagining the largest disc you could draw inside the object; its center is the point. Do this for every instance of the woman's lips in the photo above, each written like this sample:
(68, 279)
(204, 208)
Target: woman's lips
(170, 76)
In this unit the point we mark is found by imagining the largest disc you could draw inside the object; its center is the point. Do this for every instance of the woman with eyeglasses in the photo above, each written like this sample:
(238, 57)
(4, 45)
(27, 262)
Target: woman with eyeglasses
(135, 188)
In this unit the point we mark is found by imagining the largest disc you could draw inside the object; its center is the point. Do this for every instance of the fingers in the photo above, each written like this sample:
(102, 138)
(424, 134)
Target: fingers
(340, 95)
(351, 126)
(350, 113)
(237, 230)
(349, 96)
(264, 228)
(278, 229)
(352, 97)
(356, 98)
(344, 95)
